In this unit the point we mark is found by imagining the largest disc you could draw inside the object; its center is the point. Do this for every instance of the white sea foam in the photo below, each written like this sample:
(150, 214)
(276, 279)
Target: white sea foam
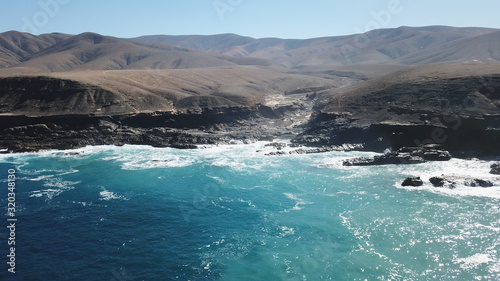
(85, 204)
(143, 162)
(496, 229)
(299, 203)
(242, 157)
(455, 167)
(56, 187)
(108, 195)
(40, 178)
(286, 231)
(141, 157)
(473, 261)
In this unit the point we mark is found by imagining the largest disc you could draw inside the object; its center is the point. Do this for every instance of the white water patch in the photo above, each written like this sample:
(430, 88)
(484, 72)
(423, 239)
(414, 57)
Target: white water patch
(84, 204)
(223, 202)
(462, 191)
(56, 187)
(299, 203)
(240, 157)
(496, 229)
(142, 157)
(157, 160)
(473, 261)
(69, 172)
(286, 231)
(108, 195)
(46, 174)
(40, 178)
(455, 167)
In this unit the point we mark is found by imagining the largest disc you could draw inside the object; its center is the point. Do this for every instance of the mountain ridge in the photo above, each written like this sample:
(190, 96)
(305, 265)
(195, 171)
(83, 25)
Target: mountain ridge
(334, 50)
(91, 51)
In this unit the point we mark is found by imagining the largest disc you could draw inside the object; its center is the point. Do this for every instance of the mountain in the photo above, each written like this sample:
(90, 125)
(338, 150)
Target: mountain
(90, 51)
(374, 47)
(478, 49)
(24, 53)
(218, 42)
(16, 47)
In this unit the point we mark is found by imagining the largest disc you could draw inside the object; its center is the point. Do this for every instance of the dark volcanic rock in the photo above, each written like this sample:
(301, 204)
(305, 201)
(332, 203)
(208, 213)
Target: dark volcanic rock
(481, 183)
(184, 131)
(387, 159)
(345, 147)
(107, 127)
(405, 155)
(495, 169)
(455, 106)
(437, 181)
(277, 145)
(413, 182)
(451, 181)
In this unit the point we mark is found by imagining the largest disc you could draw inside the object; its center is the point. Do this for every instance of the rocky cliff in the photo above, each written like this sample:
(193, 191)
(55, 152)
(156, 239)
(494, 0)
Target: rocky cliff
(456, 106)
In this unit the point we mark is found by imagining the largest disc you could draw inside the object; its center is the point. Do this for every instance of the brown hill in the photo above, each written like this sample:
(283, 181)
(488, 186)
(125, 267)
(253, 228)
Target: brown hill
(478, 49)
(217, 42)
(454, 105)
(134, 91)
(440, 89)
(16, 47)
(374, 47)
(89, 51)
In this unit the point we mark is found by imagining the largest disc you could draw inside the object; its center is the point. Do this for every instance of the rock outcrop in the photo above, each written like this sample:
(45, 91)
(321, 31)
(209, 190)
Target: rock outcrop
(405, 155)
(416, 181)
(451, 181)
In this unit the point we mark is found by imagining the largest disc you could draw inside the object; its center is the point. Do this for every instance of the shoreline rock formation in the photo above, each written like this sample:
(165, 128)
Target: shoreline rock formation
(405, 155)
(451, 181)
(457, 107)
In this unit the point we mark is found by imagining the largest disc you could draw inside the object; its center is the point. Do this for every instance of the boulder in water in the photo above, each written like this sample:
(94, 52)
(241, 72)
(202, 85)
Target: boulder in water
(415, 181)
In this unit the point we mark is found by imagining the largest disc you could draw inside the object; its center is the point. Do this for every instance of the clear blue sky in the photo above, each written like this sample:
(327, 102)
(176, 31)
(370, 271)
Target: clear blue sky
(255, 18)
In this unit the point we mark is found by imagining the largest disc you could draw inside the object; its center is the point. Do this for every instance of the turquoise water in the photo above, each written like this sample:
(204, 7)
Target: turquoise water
(231, 213)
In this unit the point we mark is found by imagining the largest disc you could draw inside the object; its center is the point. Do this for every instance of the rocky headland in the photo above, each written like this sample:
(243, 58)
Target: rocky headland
(454, 106)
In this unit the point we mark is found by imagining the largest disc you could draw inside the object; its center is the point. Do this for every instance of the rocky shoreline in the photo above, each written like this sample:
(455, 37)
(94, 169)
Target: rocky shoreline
(188, 131)
(159, 129)
(405, 155)
(69, 132)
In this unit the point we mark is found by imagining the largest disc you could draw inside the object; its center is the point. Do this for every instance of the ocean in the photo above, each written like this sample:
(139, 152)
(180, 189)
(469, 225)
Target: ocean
(232, 213)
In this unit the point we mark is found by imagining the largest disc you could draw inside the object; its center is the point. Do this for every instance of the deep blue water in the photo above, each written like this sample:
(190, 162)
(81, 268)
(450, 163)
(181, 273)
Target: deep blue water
(231, 213)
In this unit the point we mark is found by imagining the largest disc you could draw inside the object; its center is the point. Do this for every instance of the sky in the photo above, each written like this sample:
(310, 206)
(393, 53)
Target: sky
(297, 19)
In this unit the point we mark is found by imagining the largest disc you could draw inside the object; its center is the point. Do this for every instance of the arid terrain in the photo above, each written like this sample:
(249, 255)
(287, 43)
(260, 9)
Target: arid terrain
(383, 89)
